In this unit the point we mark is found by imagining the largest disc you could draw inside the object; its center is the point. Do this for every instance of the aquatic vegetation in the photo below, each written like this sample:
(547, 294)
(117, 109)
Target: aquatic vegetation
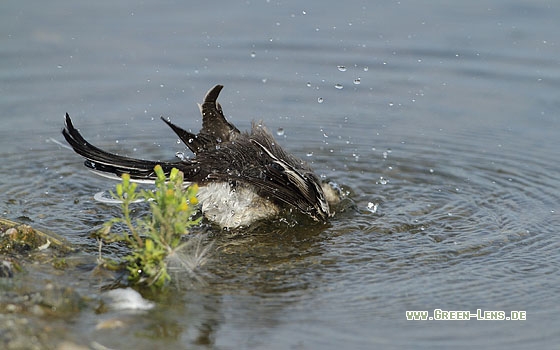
(154, 238)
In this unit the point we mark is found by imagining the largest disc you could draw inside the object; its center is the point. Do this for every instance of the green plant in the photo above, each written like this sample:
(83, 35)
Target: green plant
(153, 238)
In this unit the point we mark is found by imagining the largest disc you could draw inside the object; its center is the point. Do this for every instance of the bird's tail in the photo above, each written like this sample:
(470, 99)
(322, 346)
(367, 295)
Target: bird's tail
(112, 165)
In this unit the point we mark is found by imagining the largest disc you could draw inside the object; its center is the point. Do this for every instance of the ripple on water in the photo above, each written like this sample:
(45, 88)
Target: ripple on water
(461, 224)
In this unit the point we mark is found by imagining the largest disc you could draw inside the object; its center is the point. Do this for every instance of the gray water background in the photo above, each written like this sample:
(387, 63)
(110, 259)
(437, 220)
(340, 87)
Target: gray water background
(443, 116)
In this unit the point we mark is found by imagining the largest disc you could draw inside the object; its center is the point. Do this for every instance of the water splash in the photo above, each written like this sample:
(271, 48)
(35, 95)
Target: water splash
(181, 156)
(372, 207)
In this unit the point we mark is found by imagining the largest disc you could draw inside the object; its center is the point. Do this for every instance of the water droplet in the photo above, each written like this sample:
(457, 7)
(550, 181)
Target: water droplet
(341, 68)
(253, 54)
(280, 132)
(161, 85)
(180, 155)
(308, 84)
(338, 86)
(366, 68)
(178, 141)
(59, 66)
(382, 180)
(309, 154)
(357, 81)
(320, 100)
(431, 171)
(372, 207)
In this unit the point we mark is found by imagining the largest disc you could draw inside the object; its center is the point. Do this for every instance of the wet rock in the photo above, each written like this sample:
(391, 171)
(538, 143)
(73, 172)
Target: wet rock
(21, 239)
(20, 244)
(28, 300)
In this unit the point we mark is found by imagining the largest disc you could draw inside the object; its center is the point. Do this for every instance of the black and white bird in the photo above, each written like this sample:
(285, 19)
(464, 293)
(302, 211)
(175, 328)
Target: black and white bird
(243, 177)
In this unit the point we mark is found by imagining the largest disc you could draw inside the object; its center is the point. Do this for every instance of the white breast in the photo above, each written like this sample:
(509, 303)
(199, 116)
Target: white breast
(233, 207)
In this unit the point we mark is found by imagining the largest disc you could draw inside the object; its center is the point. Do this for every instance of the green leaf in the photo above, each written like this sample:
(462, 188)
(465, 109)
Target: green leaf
(150, 239)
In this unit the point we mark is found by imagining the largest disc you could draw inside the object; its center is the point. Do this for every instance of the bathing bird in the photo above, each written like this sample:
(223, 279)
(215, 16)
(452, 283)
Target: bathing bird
(243, 177)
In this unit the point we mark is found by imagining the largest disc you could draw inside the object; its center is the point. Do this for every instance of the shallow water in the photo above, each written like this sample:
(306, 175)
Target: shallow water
(440, 120)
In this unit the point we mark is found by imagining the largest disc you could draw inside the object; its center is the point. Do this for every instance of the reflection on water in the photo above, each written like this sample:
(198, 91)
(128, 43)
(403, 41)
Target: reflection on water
(440, 125)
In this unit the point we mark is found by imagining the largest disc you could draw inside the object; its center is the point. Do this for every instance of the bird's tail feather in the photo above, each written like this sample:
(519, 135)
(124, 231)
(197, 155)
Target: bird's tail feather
(106, 163)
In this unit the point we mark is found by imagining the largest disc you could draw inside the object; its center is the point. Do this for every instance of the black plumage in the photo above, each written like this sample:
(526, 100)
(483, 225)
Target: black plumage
(252, 161)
